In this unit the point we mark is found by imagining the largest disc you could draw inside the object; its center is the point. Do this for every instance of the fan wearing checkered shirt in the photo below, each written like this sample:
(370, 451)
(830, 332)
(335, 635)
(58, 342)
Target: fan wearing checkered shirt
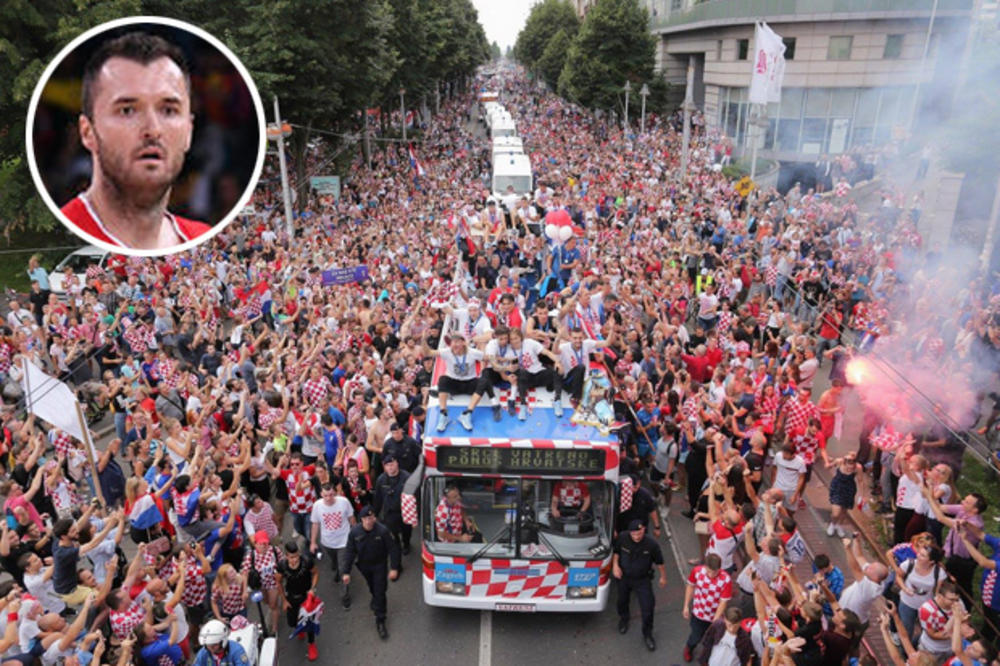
(710, 588)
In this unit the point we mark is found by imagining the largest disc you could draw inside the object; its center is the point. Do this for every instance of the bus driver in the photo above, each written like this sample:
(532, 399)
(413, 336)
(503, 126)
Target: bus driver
(569, 498)
(450, 521)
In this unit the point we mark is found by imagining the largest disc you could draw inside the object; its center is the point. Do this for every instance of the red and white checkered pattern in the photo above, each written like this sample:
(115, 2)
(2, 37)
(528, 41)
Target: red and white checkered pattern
(709, 593)
(807, 445)
(627, 488)
(932, 617)
(888, 440)
(300, 501)
(517, 579)
(123, 623)
(315, 391)
(448, 518)
(842, 188)
(62, 442)
(408, 504)
(570, 496)
(798, 414)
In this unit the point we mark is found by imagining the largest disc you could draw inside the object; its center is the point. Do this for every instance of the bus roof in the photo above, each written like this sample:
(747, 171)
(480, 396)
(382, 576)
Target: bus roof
(541, 424)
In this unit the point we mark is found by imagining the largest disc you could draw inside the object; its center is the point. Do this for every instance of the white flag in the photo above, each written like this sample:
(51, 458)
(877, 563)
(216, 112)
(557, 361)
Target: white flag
(51, 400)
(768, 66)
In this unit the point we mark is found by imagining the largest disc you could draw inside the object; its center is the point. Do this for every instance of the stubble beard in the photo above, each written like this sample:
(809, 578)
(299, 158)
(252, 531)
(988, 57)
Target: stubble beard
(114, 168)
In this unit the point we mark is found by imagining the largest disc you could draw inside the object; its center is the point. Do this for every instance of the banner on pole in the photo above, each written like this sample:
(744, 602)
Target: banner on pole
(51, 400)
(335, 276)
(768, 66)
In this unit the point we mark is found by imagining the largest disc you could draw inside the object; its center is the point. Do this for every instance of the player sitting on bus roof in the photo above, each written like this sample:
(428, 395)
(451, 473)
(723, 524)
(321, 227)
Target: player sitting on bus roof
(575, 358)
(459, 378)
(450, 521)
(569, 498)
(501, 368)
(533, 374)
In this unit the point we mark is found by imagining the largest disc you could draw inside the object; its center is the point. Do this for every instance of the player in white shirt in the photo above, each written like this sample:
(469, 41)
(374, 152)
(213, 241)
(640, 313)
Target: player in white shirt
(460, 377)
(500, 368)
(574, 357)
(532, 373)
(332, 519)
(471, 322)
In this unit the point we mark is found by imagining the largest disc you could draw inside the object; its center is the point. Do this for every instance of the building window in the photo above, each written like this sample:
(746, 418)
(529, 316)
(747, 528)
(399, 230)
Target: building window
(718, 49)
(839, 48)
(742, 49)
(789, 43)
(675, 5)
(893, 47)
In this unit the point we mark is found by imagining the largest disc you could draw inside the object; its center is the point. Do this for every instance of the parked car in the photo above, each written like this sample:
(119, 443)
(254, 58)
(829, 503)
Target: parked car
(77, 260)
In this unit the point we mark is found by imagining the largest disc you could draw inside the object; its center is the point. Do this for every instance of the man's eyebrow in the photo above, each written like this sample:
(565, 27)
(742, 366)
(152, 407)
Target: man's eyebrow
(125, 100)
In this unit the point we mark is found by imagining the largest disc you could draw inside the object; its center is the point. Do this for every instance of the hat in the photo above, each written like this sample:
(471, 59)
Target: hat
(636, 524)
(366, 511)
(389, 458)
(261, 537)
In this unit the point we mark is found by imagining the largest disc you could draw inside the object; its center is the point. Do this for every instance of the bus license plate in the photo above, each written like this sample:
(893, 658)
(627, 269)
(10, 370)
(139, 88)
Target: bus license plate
(516, 608)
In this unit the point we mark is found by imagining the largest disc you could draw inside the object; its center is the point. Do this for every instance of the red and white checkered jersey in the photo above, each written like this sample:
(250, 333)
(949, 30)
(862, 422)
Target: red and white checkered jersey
(124, 622)
(723, 541)
(229, 602)
(448, 518)
(807, 445)
(301, 494)
(934, 618)
(798, 413)
(315, 391)
(570, 494)
(61, 441)
(265, 563)
(709, 593)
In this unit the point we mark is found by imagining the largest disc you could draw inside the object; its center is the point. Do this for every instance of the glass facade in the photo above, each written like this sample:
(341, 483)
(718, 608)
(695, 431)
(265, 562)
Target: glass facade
(816, 121)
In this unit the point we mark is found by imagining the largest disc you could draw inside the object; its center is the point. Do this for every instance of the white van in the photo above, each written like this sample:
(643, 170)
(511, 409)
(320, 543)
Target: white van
(78, 260)
(515, 170)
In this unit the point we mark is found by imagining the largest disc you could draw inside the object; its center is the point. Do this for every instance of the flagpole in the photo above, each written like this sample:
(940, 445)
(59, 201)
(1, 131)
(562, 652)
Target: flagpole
(27, 383)
(88, 447)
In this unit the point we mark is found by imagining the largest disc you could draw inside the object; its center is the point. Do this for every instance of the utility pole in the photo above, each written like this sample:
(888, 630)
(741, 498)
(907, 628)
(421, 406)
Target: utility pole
(688, 103)
(628, 89)
(285, 190)
(644, 93)
(402, 110)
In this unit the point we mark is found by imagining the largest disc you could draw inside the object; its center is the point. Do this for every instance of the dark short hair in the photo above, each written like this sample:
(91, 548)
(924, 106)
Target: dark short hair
(822, 561)
(61, 527)
(139, 47)
(291, 546)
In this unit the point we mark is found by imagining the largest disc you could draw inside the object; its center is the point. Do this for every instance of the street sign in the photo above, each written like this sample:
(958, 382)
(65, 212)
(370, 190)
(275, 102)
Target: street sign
(326, 185)
(745, 186)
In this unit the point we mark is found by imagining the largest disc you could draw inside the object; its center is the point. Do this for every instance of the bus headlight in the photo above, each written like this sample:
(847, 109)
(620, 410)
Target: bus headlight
(445, 587)
(581, 592)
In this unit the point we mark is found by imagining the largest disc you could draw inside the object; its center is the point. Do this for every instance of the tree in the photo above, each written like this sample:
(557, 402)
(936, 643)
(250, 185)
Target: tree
(546, 19)
(553, 59)
(31, 33)
(495, 52)
(613, 45)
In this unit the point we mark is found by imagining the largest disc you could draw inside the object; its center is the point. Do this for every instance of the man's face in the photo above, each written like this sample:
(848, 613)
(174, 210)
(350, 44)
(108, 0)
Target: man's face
(141, 125)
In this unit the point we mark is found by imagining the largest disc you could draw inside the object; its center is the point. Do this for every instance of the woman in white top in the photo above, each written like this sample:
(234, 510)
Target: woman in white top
(917, 580)
(941, 481)
(908, 493)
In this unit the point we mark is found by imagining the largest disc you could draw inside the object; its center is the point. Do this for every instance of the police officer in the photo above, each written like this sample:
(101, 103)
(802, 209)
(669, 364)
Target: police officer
(387, 502)
(402, 447)
(635, 555)
(371, 544)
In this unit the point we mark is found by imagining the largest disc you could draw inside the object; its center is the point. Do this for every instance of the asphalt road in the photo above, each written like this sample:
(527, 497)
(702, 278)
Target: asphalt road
(421, 634)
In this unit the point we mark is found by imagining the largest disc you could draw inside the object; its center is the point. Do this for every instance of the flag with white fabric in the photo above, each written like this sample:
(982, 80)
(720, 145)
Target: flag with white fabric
(768, 66)
(51, 400)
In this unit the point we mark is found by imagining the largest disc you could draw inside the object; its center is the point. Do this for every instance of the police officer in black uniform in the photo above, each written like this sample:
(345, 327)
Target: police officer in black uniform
(635, 555)
(387, 501)
(371, 544)
(402, 447)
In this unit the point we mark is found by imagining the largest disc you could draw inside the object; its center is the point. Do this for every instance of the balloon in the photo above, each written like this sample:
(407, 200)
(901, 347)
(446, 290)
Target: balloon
(578, 231)
(559, 218)
(565, 233)
(552, 231)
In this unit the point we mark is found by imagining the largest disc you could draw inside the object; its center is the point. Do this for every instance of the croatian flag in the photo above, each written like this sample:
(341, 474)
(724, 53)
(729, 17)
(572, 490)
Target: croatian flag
(145, 514)
(410, 116)
(462, 231)
(415, 163)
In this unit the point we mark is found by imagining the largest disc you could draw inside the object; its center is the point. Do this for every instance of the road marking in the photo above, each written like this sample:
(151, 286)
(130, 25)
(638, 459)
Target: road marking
(669, 534)
(485, 637)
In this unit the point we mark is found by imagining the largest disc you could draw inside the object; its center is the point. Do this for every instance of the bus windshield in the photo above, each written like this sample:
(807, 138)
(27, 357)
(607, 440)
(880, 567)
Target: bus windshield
(518, 518)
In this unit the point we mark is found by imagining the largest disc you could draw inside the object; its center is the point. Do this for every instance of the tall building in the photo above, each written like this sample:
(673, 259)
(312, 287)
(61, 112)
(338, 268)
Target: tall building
(853, 67)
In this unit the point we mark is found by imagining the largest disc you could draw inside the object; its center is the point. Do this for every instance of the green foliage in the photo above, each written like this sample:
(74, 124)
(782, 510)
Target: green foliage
(495, 52)
(613, 45)
(553, 59)
(546, 20)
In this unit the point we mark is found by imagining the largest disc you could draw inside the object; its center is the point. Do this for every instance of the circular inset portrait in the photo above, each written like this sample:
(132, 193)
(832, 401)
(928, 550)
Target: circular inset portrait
(145, 136)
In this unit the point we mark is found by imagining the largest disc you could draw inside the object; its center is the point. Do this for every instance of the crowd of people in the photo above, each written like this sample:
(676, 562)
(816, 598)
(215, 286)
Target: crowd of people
(265, 419)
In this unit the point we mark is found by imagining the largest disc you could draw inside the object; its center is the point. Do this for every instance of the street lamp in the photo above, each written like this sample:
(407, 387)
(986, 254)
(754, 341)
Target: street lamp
(402, 110)
(644, 93)
(628, 89)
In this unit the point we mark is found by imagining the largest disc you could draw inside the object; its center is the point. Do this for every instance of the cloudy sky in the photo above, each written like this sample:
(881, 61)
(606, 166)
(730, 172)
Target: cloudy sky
(503, 19)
